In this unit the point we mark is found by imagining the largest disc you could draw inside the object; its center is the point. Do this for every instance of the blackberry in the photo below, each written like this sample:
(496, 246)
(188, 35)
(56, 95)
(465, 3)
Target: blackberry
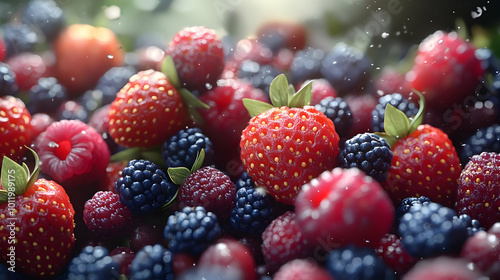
(191, 230)
(490, 62)
(429, 230)
(93, 263)
(6, 274)
(182, 148)
(47, 96)
(244, 181)
(112, 82)
(152, 262)
(8, 84)
(19, 38)
(252, 212)
(346, 68)
(397, 100)
(260, 76)
(408, 202)
(369, 153)
(72, 110)
(484, 140)
(473, 225)
(144, 187)
(46, 17)
(357, 263)
(336, 109)
(306, 65)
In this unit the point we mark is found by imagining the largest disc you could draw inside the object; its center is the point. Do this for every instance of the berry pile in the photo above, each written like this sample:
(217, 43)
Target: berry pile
(277, 156)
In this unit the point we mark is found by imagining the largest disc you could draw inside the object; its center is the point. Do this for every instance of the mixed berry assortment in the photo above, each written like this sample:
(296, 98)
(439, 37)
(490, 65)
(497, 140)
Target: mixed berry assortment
(262, 158)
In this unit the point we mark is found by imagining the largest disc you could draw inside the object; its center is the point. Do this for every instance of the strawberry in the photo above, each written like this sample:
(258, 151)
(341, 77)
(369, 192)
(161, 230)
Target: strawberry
(425, 162)
(146, 111)
(445, 70)
(36, 222)
(15, 127)
(285, 146)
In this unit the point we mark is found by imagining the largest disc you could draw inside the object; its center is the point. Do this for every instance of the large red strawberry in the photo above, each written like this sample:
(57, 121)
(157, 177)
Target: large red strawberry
(36, 222)
(425, 162)
(146, 111)
(285, 146)
(446, 69)
(15, 127)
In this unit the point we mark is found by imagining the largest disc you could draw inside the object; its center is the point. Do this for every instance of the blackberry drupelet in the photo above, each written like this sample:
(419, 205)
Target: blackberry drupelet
(93, 263)
(46, 17)
(347, 69)
(47, 96)
(244, 181)
(152, 262)
(357, 263)
(306, 65)
(8, 83)
(429, 230)
(182, 148)
(19, 38)
(397, 100)
(369, 153)
(144, 187)
(253, 211)
(336, 109)
(260, 76)
(191, 230)
(112, 81)
(484, 140)
(473, 225)
(408, 202)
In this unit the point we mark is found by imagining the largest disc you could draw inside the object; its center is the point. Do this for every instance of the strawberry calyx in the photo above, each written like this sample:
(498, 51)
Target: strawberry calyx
(152, 154)
(281, 94)
(397, 125)
(179, 174)
(16, 178)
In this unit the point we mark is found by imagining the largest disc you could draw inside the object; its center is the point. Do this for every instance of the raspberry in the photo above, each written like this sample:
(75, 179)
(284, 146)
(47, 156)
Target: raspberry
(429, 230)
(93, 263)
(283, 241)
(152, 262)
(320, 89)
(39, 123)
(336, 109)
(391, 250)
(337, 207)
(191, 230)
(124, 257)
(396, 100)
(368, 152)
(484, 140)
(106, 217)
(145, 233)
(8, 84)
(144, 188)
(29, 68)
(47, 96)
(306, 64)
(443, 267)
(181, 149)
(301, 269)
(46, 17)
(253, 211)
(210, 188)
(113, 173)
(198, 56)
(391, 81)
(361, 106)
(483, 249)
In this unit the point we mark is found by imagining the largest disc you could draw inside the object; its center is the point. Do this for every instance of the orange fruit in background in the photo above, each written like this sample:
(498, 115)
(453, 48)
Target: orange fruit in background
(83, 54)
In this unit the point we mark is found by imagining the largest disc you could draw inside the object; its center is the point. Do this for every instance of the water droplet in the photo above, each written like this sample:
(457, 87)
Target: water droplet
(440, 41)
(110, 56)
(53, 144)
(385, 35)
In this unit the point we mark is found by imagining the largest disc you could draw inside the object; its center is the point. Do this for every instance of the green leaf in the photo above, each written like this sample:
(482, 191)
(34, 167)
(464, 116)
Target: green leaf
(198, 162)
(291, 91)
(391, 140)
(302, 97)
(178, 174)
(190, 100)
(168, 68)
(127, 155)
(278, 91)
(171, 202)
(153, 154)
(4, 196)
(14, 176)
(36, 170)
(255, 107)
(419, 117)
(395, 122)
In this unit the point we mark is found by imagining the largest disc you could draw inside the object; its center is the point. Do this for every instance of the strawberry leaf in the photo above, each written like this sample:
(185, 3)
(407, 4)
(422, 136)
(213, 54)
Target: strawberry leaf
(4, 196)
(278, 91)
(13, 176)
(302, 97)
(395, 122)
(178, 174)
(170, 203)
(168, 68)
(36, 170)
(391, 140)
(153, 154)
(127, 155)
(198, 162)
(190, 100)
(419, 117)
(255, 107)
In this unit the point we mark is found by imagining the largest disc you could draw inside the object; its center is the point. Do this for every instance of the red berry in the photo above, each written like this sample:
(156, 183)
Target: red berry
(145, 233)
(478, 189)
(150, 57)
(15, 127)
(113, 173)
(198, 56)
(146, 111)
(441, 268)
(230, 254)
(283, 34)
(124, 257)
(321, 89)
(39, 123)
(337, 209)
(29, 68)
(302, 269)
(3, 50)
(391, 250)
(361, 106)
(391, 81)
(182, 262)
(247, 49)
(106, 217)
(483, 249)
(446, 69)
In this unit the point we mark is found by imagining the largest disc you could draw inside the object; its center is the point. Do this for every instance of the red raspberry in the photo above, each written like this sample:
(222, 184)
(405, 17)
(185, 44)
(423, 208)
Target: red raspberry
(29, 68)
(106, 217)
(210, 188)
(198, 56)
(39, 123)
(124, 257)
(283, 241)
(337, 208)
(391, 81)
(301, 269)
(247, 49)
(442, 268)
(113, 173)
(483, 249)
(3, 50)
(361, 106)
(391, 250)
(321, 89)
